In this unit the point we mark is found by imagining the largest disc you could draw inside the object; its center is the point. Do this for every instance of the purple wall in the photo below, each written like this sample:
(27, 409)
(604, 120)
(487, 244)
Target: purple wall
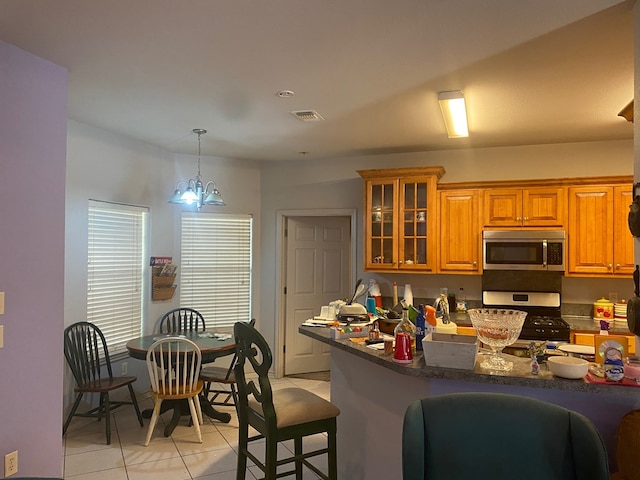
(33, 129)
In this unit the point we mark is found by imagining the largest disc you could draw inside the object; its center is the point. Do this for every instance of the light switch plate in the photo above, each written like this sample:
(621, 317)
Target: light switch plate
(1, 303)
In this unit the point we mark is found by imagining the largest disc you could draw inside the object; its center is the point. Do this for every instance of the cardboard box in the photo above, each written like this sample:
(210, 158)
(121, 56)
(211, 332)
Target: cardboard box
(450, 350)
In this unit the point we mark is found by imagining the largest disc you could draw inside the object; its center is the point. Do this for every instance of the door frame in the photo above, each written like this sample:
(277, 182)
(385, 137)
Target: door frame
(281, 256)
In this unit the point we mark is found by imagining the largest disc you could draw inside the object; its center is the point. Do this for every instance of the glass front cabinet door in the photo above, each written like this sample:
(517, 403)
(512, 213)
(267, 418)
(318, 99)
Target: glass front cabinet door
(399, 218)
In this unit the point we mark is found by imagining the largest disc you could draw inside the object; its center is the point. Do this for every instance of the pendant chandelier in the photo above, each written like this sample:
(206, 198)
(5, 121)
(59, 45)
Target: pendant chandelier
(194, 190)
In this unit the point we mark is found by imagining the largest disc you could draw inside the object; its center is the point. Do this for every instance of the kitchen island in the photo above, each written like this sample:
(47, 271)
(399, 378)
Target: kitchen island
(373, 392)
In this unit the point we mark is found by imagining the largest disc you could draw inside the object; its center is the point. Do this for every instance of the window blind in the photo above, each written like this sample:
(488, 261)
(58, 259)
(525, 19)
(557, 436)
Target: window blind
(216, 267)
(116, 264)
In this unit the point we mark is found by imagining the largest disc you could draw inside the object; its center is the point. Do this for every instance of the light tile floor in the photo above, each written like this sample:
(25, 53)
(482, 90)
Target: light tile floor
(179, 457)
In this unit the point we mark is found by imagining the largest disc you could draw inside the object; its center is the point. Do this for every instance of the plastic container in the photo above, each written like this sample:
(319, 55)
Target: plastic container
(632, 368)
(408, 294)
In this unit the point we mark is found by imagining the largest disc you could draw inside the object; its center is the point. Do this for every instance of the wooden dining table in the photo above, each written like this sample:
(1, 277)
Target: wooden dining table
(211, 348)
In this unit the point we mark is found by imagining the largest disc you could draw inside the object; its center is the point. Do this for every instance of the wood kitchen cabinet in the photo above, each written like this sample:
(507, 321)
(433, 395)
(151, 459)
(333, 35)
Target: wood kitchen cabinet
(400, 218)
(598, 240)
(460, 232)
(528, 207)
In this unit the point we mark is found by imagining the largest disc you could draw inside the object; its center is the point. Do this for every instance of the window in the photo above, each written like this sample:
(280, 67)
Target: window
(216, 267)
(116, 266)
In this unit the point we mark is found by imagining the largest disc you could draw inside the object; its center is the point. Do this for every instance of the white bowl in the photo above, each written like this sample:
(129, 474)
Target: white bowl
(568, 367)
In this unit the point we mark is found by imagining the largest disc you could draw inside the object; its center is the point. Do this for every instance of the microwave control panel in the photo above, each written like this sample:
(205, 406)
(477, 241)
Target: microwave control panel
(554, 253)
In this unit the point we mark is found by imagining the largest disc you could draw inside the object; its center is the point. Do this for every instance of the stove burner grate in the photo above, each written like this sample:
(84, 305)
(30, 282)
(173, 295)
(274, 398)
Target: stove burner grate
(545, 328)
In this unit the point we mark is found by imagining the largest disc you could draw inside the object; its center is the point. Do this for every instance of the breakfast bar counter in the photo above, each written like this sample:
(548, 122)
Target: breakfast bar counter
(373, 392)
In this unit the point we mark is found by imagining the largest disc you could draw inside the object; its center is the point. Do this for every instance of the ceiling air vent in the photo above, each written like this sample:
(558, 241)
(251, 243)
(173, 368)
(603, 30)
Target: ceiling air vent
(308, 115)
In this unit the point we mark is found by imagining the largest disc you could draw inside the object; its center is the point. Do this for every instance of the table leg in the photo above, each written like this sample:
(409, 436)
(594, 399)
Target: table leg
(209, 411)
(181, 407)
(175, 418)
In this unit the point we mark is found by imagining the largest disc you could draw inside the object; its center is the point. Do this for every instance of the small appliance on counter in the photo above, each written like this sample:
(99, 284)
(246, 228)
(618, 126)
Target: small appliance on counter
(353, 312)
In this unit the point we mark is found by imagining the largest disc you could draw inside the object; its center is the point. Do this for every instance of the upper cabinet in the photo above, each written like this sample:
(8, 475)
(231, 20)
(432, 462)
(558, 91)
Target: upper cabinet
(400, 218)
(521, 208)
(412, 223)
(460, 243)
(599, 240)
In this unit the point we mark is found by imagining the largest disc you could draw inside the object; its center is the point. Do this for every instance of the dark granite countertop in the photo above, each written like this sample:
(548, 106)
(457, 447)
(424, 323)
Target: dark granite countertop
(577, 323)
(519, 376)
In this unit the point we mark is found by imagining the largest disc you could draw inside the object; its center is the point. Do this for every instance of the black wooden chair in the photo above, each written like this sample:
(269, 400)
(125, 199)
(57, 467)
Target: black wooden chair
(226, 377)
(182, 320)
(286, 414)
(86, 352)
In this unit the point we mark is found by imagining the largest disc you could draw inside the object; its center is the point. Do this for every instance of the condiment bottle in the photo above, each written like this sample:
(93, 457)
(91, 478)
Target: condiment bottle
(451, 298)
(374, 333)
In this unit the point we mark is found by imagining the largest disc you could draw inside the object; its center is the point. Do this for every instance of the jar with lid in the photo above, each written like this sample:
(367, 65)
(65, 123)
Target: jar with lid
(603, 309)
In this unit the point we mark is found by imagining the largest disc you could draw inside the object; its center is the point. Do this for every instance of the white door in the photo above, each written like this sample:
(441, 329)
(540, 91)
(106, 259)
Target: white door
(317, 272)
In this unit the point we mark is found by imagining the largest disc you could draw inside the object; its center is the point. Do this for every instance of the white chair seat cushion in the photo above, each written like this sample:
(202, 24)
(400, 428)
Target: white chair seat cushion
(294, 406)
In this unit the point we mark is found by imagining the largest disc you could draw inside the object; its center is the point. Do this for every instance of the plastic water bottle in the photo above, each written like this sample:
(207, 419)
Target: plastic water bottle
(420, 327)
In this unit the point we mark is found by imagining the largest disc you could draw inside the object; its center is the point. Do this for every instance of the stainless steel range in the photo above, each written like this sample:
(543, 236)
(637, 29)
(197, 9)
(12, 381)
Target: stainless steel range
(543, 321)
(537, 293)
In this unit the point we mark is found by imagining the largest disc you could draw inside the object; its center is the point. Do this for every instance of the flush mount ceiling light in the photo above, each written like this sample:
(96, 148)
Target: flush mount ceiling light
(195, 191)
(285, 93)
(454, 113)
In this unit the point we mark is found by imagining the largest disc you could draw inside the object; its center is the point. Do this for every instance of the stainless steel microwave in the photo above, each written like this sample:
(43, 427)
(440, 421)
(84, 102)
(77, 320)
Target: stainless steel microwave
(523, 250)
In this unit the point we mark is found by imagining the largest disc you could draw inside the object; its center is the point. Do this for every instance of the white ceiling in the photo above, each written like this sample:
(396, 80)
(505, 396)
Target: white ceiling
(533, 72)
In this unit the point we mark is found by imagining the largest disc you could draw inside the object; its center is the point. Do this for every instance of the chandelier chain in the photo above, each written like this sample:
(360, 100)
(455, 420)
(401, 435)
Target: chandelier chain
(199, 135)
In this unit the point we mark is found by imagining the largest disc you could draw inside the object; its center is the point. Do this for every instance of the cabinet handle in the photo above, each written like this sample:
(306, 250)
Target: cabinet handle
(475, 264)
(617, 266)
(609, 266)
(518, 219)
(526, 219)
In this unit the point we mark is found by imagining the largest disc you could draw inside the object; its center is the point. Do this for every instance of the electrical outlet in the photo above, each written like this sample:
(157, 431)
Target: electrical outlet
(125, 368)
(11, 463)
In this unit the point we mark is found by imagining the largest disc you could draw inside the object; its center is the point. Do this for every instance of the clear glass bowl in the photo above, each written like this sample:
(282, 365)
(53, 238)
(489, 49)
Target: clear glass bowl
(497, 328)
